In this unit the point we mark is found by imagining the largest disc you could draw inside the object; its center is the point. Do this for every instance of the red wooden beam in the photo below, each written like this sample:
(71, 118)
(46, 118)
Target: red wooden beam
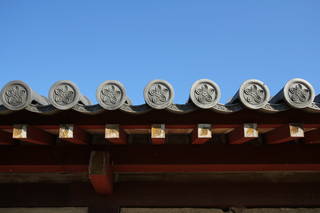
(145, 168)
(165, 154)
(102, 182)
(69, 168)
(100, 173)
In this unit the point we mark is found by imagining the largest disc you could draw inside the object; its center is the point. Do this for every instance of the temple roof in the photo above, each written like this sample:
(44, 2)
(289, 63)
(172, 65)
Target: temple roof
(65, 133)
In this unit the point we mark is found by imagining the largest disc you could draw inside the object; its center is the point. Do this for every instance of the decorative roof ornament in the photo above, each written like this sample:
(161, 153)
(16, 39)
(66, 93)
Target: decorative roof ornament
(205, 93)
(17, 95)
(253, 94)
(297, 93)
(65, 94)
(158, 94)
(111, 95)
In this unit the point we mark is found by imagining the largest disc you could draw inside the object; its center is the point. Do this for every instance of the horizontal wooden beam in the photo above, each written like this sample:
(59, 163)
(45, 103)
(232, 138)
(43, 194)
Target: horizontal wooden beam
(146, 168)
(5, 138)
(56, 168)
(213, 194)
(32, 134)
(158, 133)
(100, 172)
(243, 134)
(312, 136)
(115, 134)
(165, 154)
(285, 133)
(201, 133)
(73, 134)
(100, 180)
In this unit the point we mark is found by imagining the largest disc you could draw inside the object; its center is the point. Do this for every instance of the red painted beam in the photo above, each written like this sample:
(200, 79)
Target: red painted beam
(165, 154)
(215, 168)
(43, 168)
(103, 180)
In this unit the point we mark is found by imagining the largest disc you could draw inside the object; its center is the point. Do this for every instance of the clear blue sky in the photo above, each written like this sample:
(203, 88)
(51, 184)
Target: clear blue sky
(135, 41)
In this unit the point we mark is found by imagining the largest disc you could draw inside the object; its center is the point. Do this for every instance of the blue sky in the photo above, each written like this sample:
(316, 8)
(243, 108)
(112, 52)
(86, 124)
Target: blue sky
(180, 41)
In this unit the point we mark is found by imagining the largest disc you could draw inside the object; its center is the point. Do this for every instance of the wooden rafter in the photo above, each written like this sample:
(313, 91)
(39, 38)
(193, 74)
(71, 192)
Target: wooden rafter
(243, 134)
(312, 136)
(32, 134)
(115, 134)
(73, 134)
(285, 133)
(158, 134)
(201, 133)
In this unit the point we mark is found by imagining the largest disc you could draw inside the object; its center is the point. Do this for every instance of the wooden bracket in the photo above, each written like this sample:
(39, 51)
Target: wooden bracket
(73, 134)
(158, 133)
(115, 134)
(201, 133)
(100, 172)
(243, 134)
(31, 134)
(285, 133)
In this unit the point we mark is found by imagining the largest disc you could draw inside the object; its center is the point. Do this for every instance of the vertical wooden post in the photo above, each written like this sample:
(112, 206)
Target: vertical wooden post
(100, 172)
